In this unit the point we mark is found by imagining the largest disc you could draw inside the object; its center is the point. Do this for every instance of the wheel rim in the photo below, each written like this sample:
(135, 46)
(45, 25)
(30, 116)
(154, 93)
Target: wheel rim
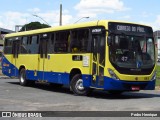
(79, 85)
(22, 78)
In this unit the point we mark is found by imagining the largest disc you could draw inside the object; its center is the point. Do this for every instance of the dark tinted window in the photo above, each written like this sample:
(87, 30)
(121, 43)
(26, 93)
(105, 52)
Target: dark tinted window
(30, 45)
(33, 47)
(24, 45)
(79, 40)
(61, 41)
(8, 46)
(51, 44)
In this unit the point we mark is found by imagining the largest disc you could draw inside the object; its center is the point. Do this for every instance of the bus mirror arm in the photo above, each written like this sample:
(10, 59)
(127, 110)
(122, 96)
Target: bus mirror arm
(109, 38)
(108, 31)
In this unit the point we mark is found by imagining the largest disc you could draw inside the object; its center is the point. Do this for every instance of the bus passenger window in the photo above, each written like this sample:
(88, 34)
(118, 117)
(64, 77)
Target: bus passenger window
(61, 41)
(8, 46)
(51, 44)
(33, 46)
(75, 43)
(23, 48)
(84, 40)
(79, 40)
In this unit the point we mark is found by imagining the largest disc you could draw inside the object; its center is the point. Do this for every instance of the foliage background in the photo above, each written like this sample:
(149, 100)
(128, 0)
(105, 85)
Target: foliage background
(33, 26)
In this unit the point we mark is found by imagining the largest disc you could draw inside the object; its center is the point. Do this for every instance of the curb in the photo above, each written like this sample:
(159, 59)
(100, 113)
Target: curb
(157, 88)
(4, 77)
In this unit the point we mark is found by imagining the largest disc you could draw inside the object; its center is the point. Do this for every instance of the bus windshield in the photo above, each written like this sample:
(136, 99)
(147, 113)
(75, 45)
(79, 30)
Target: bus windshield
(134, 52)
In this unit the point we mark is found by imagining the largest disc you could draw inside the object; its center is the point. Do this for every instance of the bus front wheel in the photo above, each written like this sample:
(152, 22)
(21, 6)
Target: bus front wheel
(76, 85)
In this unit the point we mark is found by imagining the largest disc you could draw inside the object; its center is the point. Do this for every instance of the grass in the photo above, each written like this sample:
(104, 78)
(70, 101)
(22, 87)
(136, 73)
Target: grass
(158, 76)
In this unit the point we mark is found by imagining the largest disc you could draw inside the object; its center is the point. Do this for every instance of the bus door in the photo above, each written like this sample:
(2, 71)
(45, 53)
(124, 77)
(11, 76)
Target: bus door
(98, 61)
(15, 52)
(43, 56)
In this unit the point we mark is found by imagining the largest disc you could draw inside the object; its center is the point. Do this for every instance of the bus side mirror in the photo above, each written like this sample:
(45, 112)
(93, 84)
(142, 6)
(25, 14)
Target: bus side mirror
(109, 40)
(117, 40)
(110, 37)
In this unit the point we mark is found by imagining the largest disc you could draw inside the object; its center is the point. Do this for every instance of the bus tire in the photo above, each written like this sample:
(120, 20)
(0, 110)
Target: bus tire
(22, 77)
(76, 85)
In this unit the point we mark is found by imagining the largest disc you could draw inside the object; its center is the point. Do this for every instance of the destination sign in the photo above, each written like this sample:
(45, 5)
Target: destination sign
(129, 28)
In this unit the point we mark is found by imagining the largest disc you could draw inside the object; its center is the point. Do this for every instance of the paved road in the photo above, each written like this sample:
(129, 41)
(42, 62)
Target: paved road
(14, 97)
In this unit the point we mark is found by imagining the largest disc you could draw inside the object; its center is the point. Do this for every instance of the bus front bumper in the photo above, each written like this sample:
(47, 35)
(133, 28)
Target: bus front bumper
(112, 84)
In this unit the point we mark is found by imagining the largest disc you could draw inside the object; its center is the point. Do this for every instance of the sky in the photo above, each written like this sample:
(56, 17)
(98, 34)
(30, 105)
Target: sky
(20, 12)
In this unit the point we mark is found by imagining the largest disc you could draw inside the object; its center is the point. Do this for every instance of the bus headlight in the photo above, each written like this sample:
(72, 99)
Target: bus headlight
(112, 74)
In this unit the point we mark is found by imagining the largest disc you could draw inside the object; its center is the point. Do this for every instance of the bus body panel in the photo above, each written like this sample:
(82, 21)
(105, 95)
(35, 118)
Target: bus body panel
(63, 78)
(56, 67)
(8, 68)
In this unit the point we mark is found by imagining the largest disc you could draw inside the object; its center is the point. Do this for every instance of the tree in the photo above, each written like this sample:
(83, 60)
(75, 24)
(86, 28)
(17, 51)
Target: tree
(33, 26)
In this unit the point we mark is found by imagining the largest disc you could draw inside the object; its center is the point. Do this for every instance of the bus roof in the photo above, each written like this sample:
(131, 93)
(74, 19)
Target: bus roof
(65, 27)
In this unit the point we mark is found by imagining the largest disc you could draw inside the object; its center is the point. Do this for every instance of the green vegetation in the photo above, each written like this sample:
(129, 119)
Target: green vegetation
(158, 76)
(33, 26)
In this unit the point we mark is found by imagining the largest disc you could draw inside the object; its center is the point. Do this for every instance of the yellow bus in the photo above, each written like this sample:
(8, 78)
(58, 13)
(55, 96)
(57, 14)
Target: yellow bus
(107, 55)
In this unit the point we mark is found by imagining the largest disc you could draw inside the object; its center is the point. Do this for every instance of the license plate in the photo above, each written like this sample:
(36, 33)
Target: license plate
(135, 88)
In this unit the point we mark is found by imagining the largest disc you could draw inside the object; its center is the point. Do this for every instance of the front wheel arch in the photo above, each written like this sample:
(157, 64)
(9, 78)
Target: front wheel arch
(73, 72)
(76, 85)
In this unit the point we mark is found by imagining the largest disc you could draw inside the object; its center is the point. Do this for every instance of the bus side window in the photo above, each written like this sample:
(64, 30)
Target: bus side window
(24, 45)
(51, 44)
(61, 41)
(79, 40)
(84, 40)
(8, 46)
(32, 44)
(74, 42)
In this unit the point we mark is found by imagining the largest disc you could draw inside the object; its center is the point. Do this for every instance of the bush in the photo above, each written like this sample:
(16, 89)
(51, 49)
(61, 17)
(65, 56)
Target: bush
(158, 76)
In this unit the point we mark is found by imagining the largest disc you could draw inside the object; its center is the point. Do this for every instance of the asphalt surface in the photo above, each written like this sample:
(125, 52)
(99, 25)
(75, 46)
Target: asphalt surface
(14, 97)
(44, 97)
